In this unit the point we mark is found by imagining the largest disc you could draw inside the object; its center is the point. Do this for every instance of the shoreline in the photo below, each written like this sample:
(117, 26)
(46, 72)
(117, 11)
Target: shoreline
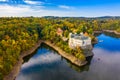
(110, 31)
(15, 71)
(98, 31)
(17, 66)
(70, 57)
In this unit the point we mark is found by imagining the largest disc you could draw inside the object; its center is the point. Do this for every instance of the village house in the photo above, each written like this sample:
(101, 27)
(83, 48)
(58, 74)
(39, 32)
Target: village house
(59, 31)
(79, 40)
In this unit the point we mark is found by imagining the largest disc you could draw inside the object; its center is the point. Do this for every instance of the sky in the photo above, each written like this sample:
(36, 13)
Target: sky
(61, 8)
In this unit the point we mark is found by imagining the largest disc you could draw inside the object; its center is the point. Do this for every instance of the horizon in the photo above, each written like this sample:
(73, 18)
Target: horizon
(59, 16)
(63, 8)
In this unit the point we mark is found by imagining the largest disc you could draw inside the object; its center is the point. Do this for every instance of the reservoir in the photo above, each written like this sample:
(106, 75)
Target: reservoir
(47, 64)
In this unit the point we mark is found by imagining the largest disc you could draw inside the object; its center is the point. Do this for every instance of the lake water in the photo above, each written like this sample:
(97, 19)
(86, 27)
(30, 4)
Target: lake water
(47, 64)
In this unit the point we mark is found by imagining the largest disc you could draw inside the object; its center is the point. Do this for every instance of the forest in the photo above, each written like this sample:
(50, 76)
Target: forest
(20, 34)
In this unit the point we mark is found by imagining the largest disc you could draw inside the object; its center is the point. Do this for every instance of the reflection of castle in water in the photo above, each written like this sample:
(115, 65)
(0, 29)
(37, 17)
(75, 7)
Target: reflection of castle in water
(82, 68)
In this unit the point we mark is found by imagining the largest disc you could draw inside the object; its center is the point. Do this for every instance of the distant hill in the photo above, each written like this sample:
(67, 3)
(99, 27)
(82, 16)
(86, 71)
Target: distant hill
(109, 17)
(102, 17)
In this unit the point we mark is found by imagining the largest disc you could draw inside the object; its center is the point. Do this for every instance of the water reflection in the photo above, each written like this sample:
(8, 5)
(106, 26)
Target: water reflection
(108, 43)
(112, 35)
(43, 49)
(105, 65)
(46, 64)
(43, 54)
(82, 68)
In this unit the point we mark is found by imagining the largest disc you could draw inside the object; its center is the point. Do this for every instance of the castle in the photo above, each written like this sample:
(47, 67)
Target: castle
(79, 40)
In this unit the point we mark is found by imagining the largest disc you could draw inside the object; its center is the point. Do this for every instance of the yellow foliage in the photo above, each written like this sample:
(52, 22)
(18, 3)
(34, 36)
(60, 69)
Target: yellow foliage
(82, 57)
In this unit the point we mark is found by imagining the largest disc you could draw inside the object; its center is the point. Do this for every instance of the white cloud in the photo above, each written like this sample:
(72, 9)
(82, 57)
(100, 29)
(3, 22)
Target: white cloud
(38, 11)
(42, 59)
(12, 9)
(32, 2)
(65, 7)
(26, 10)
(3, 0)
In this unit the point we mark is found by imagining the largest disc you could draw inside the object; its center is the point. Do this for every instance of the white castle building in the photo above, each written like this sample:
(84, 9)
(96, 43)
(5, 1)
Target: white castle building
(79, 40)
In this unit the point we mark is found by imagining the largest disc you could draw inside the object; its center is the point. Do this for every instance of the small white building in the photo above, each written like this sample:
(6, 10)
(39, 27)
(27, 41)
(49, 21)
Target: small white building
(79, 40)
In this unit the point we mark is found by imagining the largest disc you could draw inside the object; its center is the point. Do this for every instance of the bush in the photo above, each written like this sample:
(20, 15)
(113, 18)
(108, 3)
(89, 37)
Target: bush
(118, 30)
(1, 76)
(82, 57)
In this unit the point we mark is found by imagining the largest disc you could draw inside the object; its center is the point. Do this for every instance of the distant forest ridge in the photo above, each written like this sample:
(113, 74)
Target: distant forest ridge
(102, 17)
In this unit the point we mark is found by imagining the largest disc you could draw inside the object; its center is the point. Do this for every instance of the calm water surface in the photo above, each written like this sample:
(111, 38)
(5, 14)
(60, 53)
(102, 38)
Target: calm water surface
(46, 64)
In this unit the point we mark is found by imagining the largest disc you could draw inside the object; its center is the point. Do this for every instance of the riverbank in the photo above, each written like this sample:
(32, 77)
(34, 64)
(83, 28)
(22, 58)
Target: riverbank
(98, 31)
(70, 57)
(73, 59)
(16, 68)
(112, 31)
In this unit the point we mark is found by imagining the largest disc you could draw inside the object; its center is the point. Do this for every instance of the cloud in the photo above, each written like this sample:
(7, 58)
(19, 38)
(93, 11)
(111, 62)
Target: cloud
(33, 2)
(107, 57)
(37, 11)
(65, 7)
(23, 10)
(42, 59)
(3, 0)
(13, 9)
